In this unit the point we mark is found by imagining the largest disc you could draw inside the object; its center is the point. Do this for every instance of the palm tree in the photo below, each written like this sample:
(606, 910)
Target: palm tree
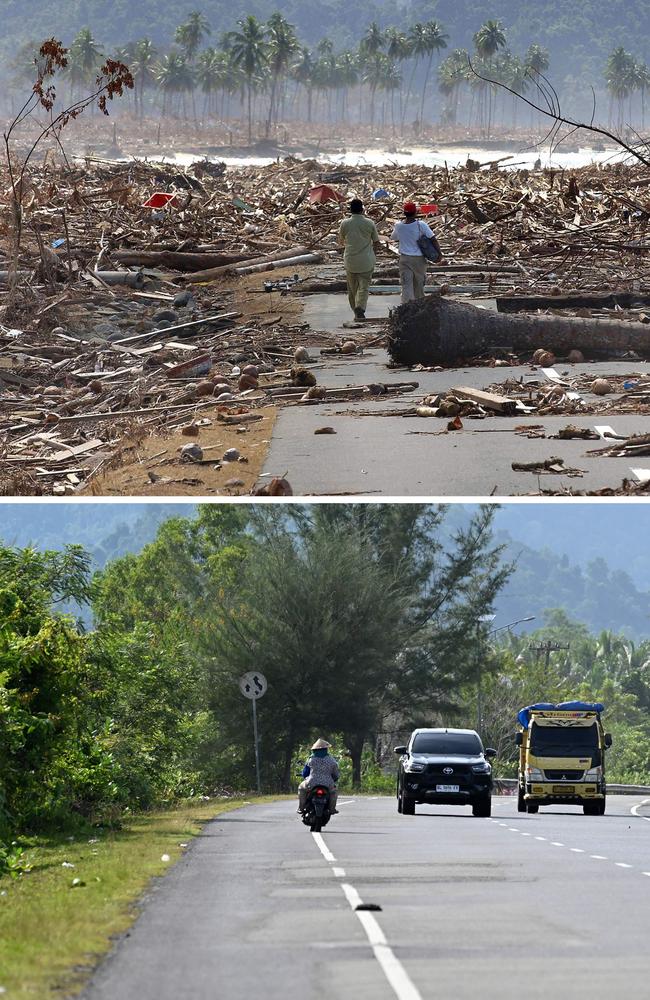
(175, 77)
(417, 49)
(141, 65)
(398, 49)
(536, 59)
(325, 71)
(283, 46)
(211, 73)
(83, 59)
(249, 52)
(191, 33)
(488, 40)
(619, 77)
(347, 76)
(303, 72)
(452, 74)
(434, 40)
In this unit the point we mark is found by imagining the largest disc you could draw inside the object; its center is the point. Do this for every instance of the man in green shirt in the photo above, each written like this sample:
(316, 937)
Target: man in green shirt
(358, 235)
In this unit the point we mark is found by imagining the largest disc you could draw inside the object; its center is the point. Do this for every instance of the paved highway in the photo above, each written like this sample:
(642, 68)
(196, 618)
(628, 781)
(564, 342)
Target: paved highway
(552, 905)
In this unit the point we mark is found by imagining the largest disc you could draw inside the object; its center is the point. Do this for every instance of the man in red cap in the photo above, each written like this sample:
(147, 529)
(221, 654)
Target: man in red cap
(412, 262)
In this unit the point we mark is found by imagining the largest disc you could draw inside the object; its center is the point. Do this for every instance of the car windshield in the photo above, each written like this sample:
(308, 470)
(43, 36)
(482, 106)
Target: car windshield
(560, 741)
(467, 744)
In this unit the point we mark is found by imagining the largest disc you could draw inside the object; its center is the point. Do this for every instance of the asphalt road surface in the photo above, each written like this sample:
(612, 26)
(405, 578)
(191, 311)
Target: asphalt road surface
(378, 454)
(554, 905)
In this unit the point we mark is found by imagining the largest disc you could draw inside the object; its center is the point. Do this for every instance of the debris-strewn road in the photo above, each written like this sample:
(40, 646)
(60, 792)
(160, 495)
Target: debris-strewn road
(552, 905)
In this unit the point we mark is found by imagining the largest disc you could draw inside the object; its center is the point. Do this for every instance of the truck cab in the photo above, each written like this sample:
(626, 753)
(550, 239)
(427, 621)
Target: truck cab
(562, 757)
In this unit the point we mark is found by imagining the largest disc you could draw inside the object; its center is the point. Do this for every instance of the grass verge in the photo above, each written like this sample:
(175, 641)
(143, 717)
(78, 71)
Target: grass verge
(52, 933)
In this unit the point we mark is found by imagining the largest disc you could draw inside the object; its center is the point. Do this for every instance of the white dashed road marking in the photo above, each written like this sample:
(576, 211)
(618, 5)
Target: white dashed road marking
(395, 973)
(323, 848)
(579, 850)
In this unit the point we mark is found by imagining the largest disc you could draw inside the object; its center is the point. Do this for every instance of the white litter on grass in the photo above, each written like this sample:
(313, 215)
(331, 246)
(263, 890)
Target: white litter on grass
(165, 858)
(67, 864)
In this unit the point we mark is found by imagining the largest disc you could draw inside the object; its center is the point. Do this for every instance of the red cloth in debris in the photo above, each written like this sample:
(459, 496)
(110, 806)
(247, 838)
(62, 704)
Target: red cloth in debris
(322, 193)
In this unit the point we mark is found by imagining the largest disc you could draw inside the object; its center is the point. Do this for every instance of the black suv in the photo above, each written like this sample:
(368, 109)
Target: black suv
(446, 766)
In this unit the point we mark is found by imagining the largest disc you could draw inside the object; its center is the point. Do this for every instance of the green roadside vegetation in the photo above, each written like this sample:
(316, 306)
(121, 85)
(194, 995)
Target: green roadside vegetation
(56, 921)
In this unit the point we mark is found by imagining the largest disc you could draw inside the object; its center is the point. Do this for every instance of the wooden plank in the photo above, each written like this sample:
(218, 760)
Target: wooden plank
(488, 400)
(79, 449)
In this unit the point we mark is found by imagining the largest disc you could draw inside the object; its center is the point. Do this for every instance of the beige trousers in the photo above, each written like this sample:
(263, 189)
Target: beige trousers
(358, 285)
(412, 275)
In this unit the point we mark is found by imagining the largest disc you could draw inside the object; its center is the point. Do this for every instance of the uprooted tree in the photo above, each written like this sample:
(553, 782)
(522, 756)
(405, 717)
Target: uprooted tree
(436, 330)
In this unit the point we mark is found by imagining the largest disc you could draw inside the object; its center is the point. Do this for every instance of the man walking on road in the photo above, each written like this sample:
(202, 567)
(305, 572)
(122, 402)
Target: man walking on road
(412, 262)
(358, 235)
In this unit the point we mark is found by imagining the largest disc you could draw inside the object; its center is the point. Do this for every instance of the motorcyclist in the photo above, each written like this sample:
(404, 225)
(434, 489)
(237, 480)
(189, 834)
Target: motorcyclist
(320, 769)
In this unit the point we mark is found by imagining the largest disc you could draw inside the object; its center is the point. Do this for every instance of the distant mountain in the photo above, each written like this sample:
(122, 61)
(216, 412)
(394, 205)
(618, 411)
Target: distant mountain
(107, 530)
(617, 533)
(589, 559)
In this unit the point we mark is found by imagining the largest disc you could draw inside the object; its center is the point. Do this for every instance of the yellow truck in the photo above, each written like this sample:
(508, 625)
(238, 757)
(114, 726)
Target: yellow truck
(562, 756)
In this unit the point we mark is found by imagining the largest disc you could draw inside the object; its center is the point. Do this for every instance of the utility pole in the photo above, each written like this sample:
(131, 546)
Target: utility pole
(549, 647)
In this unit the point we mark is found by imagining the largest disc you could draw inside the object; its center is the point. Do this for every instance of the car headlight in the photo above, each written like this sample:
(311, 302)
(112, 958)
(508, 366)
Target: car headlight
(594, 774)
(534, 774)
(414, 766)
(483, 768)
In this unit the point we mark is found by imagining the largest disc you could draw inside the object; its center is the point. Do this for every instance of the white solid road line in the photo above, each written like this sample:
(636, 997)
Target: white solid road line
(395, 973)
(639, 805)
(323, 848)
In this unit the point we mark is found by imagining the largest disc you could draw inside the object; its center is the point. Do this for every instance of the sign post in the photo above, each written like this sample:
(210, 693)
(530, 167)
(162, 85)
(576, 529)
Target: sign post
(253, 685)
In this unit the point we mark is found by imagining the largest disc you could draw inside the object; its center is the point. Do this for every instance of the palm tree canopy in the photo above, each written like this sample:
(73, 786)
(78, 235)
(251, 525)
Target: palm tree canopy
(283, 42)
(191, 33)
(248, 47)
(489, 39)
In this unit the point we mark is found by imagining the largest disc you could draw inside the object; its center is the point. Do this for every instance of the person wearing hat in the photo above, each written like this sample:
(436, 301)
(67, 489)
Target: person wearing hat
(320, 769)
(359, 237)
(412, 262)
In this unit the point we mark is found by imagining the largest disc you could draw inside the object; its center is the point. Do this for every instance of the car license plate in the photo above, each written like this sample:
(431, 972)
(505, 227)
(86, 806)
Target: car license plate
(447, 788)
(564, 789)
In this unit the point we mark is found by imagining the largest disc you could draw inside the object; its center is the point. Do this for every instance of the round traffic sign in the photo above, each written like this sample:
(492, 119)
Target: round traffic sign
(253, 685)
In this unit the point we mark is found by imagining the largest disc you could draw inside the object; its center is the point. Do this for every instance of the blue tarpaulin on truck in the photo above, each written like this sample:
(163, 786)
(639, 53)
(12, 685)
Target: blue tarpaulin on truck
(565, 706)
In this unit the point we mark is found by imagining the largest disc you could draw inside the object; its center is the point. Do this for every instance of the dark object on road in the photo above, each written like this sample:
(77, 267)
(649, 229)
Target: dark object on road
(316, 813)
(445, 766)
(374, 907)
(436, 330)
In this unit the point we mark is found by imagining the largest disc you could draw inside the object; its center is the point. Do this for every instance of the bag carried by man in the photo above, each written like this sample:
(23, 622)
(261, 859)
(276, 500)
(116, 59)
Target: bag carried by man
(429, 246)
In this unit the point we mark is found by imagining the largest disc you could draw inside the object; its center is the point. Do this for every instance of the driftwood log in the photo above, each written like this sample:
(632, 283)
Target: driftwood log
(436, 330)
(571, 300)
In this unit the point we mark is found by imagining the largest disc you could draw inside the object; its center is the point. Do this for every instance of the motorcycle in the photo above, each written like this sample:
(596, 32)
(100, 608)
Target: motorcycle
(316, 813)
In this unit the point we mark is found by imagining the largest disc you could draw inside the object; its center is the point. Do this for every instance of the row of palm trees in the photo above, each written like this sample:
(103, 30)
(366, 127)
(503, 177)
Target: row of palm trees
(625, 76)
(264, 65)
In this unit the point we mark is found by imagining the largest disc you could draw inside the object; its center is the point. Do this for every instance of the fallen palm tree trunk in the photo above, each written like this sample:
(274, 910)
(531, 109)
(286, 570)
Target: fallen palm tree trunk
(216, 272)
(179, 260)
(436, 330)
